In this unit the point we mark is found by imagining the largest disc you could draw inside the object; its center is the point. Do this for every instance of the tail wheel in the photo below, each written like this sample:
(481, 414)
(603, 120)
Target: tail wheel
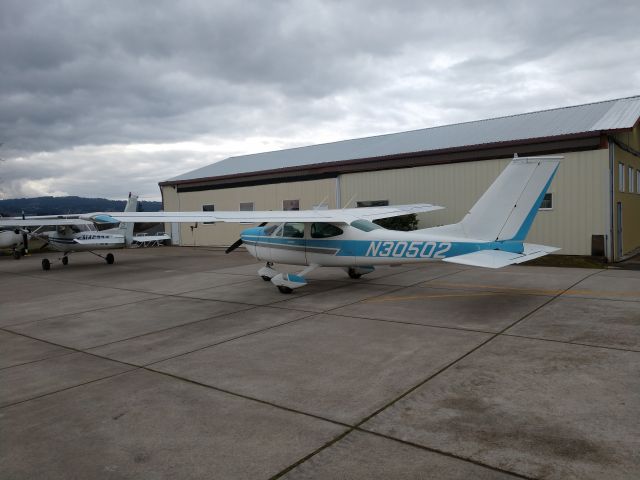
(65, 260)
(110, 258)
(46, 265)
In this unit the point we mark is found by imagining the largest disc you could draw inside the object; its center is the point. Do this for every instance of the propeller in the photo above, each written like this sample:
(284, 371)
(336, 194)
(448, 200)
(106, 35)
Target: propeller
(25, 241)
(238, 242)
(25, 238)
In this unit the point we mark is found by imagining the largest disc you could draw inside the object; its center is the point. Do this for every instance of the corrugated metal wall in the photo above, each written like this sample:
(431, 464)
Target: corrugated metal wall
(580, 192)
(630, 200)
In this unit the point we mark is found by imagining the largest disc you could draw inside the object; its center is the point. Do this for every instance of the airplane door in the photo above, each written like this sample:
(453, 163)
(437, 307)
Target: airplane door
(262, 247)
(287, 244)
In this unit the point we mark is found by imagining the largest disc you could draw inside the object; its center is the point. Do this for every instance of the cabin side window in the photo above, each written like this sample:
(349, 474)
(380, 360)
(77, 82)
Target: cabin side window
(324, 230)
(293, 230)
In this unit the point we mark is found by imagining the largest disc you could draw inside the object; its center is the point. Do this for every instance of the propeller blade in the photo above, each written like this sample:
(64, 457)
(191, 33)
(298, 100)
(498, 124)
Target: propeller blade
(238, 242)
(233, 246)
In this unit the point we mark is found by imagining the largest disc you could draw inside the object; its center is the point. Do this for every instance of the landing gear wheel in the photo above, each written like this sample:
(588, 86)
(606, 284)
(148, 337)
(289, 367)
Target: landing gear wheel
(16, 255)
(265, 278)
(110, 258)
(353, 274)
(284, 289)
(65, 260)
(46, 265)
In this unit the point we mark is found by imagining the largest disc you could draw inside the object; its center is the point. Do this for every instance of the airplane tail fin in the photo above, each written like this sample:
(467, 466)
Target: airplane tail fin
(507, 209)
(127, 227)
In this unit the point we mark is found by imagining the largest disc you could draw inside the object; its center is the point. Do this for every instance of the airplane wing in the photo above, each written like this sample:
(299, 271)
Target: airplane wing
(39, 221)
(346, 215)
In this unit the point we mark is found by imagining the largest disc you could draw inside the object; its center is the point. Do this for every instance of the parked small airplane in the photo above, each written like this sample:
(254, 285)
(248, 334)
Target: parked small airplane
(75, 234)
(15, 239)
(491, 235)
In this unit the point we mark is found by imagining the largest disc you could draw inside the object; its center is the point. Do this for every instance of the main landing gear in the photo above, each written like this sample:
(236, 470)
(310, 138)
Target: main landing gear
(46, 263)
(286, 282)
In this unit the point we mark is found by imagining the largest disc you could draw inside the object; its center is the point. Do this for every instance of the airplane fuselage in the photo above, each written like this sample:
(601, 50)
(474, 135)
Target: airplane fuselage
(65, 240)
(356, 247)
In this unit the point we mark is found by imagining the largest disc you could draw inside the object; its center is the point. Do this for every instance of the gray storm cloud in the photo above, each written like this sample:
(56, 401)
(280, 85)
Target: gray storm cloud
(83, 83)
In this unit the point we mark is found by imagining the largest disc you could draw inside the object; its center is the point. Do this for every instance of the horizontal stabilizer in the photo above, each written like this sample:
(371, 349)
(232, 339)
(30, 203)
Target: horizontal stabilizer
(100, 241)
(500, 258)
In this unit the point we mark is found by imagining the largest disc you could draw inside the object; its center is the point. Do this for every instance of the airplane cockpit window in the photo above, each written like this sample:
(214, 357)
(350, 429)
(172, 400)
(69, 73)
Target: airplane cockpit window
(268, 230)
(82, 228)
(293, 230)
(324, 230)
(365, 225)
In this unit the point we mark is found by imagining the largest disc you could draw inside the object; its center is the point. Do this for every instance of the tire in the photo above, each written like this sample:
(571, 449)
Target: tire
(265, 278)
(65, 260)
(46, 264)
(16, 255)
(110, 258)
(284, 289)
(353, 274)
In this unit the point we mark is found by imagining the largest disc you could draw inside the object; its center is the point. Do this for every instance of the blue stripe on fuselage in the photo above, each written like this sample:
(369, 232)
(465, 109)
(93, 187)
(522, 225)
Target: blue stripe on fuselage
(387, 248)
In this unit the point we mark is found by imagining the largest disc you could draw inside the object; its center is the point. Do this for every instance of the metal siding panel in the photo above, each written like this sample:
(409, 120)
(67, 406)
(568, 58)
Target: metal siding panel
(579, 190)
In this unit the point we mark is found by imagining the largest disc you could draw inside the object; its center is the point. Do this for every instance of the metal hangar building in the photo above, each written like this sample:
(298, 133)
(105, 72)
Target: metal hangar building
(592, 208)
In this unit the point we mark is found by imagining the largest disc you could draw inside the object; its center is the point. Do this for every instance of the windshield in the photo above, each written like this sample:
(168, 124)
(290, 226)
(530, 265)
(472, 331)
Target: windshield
(365, 225)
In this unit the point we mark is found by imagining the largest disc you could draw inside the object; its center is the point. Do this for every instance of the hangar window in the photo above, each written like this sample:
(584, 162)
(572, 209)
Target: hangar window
(373, 203)
(208, 208)
(621, 177)
(547, 202)
(324, 230)
(246, 207)
(290, 205)
(293, 230)
(631, 180)
(365, 225)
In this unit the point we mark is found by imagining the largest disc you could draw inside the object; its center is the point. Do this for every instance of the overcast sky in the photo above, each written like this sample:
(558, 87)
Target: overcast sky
(99, 98)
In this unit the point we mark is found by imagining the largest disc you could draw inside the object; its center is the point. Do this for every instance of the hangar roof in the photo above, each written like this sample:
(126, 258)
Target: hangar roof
(619, 114)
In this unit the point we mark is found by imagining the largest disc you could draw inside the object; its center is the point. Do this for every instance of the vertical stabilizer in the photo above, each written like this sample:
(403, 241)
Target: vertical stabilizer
(507, 209)
(127, 228)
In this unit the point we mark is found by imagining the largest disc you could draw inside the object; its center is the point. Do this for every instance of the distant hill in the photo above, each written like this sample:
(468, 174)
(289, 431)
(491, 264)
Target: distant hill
(68, 205)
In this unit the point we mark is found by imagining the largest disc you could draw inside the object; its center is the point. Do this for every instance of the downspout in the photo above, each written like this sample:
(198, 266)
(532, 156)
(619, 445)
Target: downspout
(612, 160)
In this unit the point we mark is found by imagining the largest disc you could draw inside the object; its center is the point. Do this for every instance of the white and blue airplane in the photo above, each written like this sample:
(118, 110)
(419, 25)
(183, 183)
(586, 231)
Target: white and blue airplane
(491, 235)
(76, 234)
